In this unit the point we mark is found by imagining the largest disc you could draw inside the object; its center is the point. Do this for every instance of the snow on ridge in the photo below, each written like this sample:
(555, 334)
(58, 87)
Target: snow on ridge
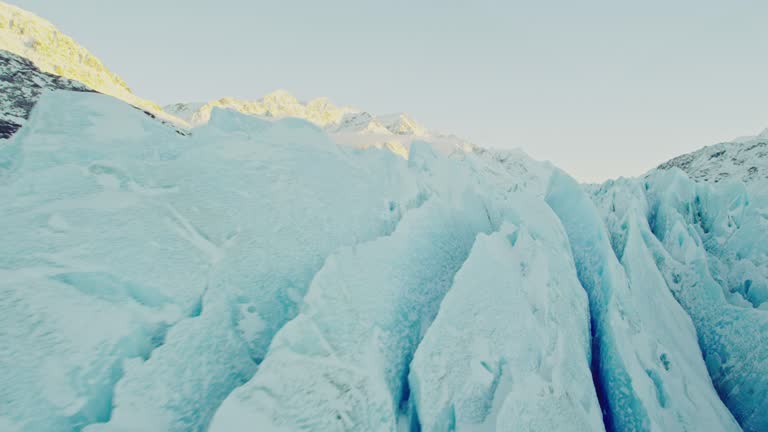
(761, 136)
(403, 124)
(277, 104)
(347, 126)
(320, 111)
(361, 122)
(744, 159)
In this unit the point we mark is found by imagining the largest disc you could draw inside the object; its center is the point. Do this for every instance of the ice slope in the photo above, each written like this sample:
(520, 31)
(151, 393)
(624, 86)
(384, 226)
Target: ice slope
(341, 364)
(671, 213)
(510, 348)
(734, 339)
(92, 272)
(129, 237)
(731, 222)
(641, 334)
(732, 201)
(280, 240)
(257, 275)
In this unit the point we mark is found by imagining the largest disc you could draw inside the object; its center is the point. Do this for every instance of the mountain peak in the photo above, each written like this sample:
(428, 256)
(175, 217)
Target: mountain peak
(403, 124)
(280, 96)
(320, 111)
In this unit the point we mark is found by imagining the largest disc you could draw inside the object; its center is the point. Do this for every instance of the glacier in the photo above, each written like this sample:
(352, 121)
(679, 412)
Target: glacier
(633, 314)
(477, 369)
(290, 266)
(256, 275)
(731, 332)
(164, 196)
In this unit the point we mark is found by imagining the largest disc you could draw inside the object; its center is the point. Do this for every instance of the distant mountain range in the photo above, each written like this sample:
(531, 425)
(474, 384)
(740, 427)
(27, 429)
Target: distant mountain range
(53, 52)
(320, 111)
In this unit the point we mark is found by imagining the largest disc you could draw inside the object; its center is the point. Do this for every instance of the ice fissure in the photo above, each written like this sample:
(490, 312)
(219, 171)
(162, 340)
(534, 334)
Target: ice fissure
(255, 275)
(478, 369)
(633, 312)
(196, 261)
(360, 323)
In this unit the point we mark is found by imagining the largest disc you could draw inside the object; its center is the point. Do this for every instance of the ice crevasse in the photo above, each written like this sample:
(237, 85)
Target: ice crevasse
(254, 275)
(681, 225)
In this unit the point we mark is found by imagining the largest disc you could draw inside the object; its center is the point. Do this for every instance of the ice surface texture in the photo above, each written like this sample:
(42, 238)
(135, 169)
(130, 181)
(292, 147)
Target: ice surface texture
(255, 275)
(674, 217)
(134, 240)
(509, 349)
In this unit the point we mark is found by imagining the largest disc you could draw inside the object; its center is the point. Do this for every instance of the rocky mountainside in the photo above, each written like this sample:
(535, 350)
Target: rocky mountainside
(744, 159)
(21, 84)
(53, 52)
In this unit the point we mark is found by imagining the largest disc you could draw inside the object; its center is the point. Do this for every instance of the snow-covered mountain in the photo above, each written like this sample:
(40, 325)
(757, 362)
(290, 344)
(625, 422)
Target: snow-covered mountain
(745, 159)
(361, 122)
(276, 105)
(280, 269)
(403, 124)
(346, 125)
(280, 104)
(53, 52)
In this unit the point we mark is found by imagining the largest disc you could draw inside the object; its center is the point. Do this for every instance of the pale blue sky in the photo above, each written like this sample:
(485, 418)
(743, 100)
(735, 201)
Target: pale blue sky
(601, 88)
